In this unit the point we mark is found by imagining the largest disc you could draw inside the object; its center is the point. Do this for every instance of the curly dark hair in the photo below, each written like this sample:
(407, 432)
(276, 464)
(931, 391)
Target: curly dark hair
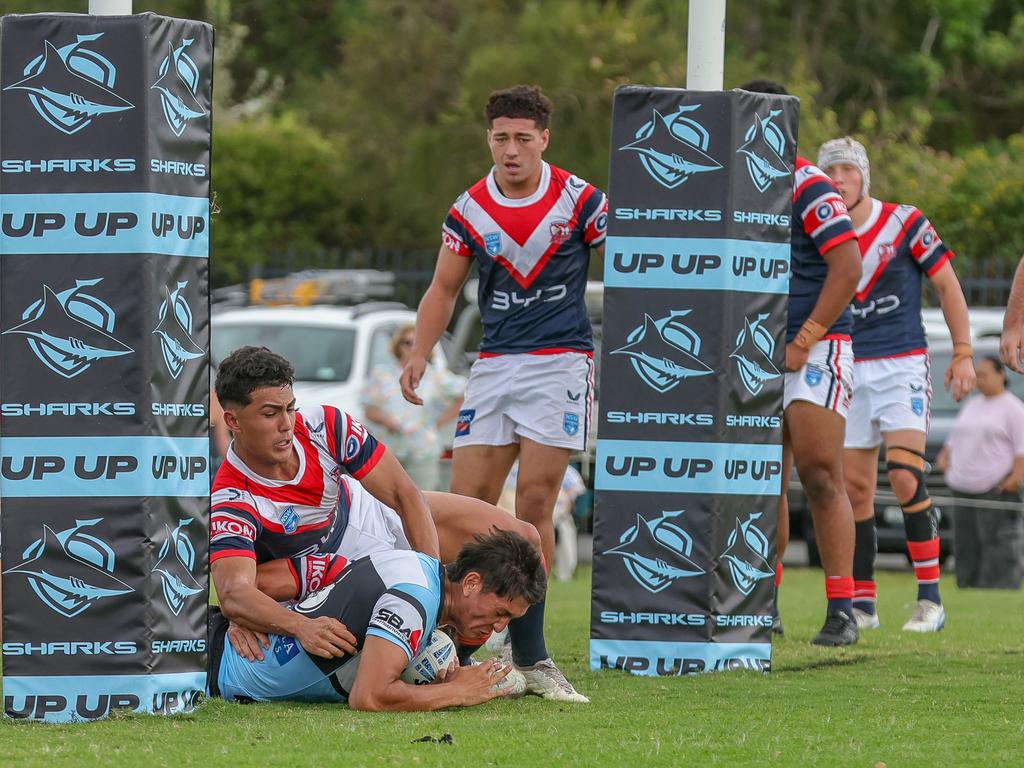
(509, 565)
(248, 369)
(526, 101)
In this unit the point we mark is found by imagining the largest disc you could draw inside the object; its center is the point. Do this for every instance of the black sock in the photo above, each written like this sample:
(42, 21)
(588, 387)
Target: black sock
(465, 651)
(865, 549)
(527, 636)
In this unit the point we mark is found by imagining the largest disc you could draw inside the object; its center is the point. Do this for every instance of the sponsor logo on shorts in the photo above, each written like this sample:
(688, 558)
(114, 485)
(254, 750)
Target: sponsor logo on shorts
(917, 405)
(813, 375)
(464, 422)
(285, 649)
(571, 424)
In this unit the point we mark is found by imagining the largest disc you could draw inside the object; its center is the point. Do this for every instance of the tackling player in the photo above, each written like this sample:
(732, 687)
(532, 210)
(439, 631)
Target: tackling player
(391, 601)
(825, 268)
(529, 227)
(280, 495)
(892, 376)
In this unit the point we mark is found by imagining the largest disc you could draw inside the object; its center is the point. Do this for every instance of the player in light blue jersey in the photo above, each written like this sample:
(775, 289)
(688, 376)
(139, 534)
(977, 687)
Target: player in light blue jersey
(391, 602)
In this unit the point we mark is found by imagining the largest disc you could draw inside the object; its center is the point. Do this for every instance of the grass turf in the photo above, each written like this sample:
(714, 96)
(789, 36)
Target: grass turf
(896, 699)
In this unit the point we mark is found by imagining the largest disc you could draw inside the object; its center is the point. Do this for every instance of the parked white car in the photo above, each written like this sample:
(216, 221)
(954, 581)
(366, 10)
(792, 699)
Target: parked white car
(333, 349)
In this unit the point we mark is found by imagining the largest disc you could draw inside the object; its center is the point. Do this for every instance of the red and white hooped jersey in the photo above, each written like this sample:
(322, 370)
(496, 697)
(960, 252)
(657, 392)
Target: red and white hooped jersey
(533, 255)
(898, 245)
(253, 516)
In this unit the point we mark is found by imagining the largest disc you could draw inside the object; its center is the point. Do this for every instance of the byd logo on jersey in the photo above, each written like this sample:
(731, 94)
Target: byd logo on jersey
(177, 84)
(657, 552)
(174, 329)
(70, 570)
(175, 564)
(672, 148)
(746, 552)
(753, 355)
(664, 352)
(70, 330)
(765, 145)
(72, 85)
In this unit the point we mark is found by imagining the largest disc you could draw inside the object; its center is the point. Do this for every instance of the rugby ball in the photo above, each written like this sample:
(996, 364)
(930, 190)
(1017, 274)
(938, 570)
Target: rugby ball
(434, 656)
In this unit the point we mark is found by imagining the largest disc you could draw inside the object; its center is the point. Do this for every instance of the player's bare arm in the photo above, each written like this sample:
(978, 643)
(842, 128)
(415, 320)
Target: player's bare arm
(844, 271)
(389, 484)
(1010, 349)
(243, 603)
(378, 687)
(960, 374)
(432, 317)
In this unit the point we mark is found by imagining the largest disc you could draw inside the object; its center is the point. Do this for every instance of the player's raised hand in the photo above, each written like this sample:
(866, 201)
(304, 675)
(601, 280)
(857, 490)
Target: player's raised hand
(248, 643)
(326, 637)
(410, 378)
(961, 376)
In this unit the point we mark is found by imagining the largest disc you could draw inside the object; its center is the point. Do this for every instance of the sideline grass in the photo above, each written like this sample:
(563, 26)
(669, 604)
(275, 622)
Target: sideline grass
(951, 699)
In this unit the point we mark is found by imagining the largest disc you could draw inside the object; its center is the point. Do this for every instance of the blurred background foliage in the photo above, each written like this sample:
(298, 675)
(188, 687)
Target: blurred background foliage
(354, 123)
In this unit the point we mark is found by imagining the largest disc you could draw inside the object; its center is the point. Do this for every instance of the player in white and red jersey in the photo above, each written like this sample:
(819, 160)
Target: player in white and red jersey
(825, 268)
(288, 491)
(529, 227)
(892, 377)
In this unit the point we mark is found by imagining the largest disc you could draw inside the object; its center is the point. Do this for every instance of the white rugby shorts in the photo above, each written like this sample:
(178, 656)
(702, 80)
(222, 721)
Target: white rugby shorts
(372, 525)
(544, 398)
(888, 394)
(826, 379)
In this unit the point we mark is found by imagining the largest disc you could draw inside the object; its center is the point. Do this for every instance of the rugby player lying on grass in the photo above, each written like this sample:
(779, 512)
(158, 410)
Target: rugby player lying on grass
(390, 602)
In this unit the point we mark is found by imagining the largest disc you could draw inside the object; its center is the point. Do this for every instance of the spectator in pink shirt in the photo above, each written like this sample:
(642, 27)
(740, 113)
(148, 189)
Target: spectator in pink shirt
(983, 459)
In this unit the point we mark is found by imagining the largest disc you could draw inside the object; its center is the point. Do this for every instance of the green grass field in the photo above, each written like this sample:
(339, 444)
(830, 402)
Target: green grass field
(951, 699)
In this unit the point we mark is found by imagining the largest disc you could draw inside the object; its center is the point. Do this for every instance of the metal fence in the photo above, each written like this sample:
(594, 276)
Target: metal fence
(986, 281)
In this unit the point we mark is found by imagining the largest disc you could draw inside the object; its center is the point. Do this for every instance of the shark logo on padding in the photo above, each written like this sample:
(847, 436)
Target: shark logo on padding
(72, 85)
(70, 330)
(70, 570)
(175, 562)
(664, 352)
(178, 84)
(175, 331)
(765, 145)
(657, 552)
(746, 552)
(753, 355)
(672, 148)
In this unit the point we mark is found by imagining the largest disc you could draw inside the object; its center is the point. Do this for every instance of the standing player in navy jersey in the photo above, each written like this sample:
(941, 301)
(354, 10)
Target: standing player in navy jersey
(892, 377)
(529, 227)
(825, 268)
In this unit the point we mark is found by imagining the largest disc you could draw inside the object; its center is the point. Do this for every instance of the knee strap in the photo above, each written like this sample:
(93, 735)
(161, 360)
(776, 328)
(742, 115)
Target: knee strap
(912, 461)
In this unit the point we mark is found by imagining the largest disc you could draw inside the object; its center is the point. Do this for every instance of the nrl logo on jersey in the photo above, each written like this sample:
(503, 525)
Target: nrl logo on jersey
(753, 355)
(765, 145)
(657, 552)
(178, 84)
(672, 148)
(70, 570)
(70, 330)
(72, 85)
(174, 329)
(664, 352)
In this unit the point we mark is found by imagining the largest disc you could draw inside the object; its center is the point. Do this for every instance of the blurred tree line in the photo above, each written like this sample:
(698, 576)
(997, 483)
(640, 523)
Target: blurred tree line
(355, 123)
